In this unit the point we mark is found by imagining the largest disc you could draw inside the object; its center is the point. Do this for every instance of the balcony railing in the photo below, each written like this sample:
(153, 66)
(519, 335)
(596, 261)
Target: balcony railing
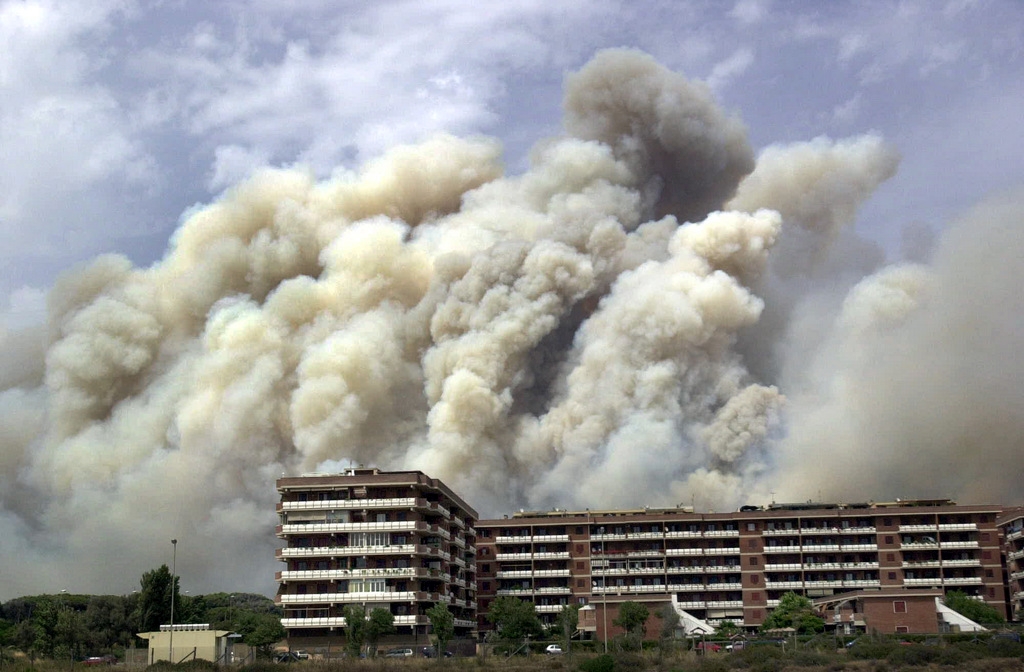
(957, 527)
(962, 581)
(935, 581)
(684, 551)
(685, 587)
(920, 545)
(783, 585)
(958, 544)
(549, 608)
(820, 548)
(785, 567)
(725, 586)
(725, 604)
(391, 526)
(376, 596)
(781, 549)
(971, 562)
(928, 527)
(528, 573)
(615, 590)
(564, 555)
(339, 621)
(335, 574)
(332, 551)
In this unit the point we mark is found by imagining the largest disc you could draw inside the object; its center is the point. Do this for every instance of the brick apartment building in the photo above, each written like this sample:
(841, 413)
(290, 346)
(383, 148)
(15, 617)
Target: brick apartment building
(401, 541)
(404, 541)
(1011, 523)
(736, 566)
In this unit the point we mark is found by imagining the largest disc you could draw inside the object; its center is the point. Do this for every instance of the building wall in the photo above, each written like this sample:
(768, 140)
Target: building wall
(900, 613)
(736, 566)
(395, 540)
(1011, 527)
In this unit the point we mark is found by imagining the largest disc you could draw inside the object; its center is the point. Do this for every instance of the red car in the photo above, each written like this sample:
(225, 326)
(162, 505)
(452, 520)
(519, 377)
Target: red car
(708, 646)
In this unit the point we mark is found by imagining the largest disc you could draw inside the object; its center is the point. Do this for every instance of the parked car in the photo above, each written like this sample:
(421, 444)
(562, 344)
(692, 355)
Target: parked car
(100, 660)
(398, 653)
(286, 657)
(301, 655)
(431, 652)
(708, 646)
(553, 650)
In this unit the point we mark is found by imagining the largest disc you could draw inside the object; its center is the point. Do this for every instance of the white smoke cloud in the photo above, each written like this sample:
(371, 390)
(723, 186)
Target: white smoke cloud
(572, 336)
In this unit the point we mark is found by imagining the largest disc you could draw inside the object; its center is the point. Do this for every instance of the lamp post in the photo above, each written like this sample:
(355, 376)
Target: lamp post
(174, 562)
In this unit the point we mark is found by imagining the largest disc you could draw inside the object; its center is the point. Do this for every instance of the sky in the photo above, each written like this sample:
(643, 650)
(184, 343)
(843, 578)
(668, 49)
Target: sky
(121, 122)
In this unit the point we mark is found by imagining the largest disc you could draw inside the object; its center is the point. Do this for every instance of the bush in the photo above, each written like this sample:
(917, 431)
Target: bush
(602, 663)
(914, 654)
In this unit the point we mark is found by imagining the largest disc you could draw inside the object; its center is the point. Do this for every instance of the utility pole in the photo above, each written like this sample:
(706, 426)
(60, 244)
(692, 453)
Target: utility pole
(174, 562)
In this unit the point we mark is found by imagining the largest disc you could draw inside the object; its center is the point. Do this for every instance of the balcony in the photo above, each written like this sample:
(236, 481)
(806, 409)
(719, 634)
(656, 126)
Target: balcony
(683, 534)
(721, 533)
(459, 522)
(920, 545)
(822, 566)
(550, 538)
(331, 598)
(783, 585)
(728, 550)
(972, 562)
(392, 526)
(781, 549)
(858, 547)
(860, 565)
(808, 531)
(771, 604)
(785, 567)
(958, 544)
(820, 548)
(549, 608)
(957, 527)
(350, 504)
(339, 622)
(552, 590)
(935, 581)
(608, 537)
(695, 569)
(333, 551)
(725, 586)
(1016, 576)
(823, 584)
(684, 551)
(784, 532)
(696, 604)
(1014, 536)
(961, 581)
(460, 623)
(921, 564)
(529, 573)
(725, 604)
(645, 554)
(685, 587)
(861, 583)
(560, 555)
(335, 574)
(931, 527)
(1015, 555)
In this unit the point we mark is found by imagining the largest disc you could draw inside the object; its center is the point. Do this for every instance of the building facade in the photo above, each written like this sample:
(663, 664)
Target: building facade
(1011, 524)
(400, 541)
(713, 567)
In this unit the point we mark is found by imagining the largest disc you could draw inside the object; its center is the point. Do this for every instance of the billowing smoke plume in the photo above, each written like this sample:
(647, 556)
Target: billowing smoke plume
(609, 328)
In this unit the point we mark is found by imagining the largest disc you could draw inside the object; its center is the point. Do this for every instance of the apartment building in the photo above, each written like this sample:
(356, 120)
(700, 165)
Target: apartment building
(736, 566)
(1011, 524)
(401, 541)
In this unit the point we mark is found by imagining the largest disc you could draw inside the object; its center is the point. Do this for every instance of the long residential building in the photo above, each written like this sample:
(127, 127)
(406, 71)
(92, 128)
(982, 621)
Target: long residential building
(401, 541)
(736, 566)
(1011, 524)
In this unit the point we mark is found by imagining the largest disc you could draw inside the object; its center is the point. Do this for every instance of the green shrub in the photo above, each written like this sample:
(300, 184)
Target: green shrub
(914, 654)
(602, 663)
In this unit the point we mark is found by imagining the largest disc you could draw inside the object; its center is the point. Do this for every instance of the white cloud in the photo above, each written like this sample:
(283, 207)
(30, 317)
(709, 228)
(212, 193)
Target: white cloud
(733, 66)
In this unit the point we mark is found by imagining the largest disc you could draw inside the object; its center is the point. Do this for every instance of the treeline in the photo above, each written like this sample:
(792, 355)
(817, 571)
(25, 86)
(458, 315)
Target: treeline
(67, 625)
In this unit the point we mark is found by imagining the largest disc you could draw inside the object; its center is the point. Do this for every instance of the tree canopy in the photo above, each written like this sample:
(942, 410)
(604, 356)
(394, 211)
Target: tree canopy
(794, 611)
(514, 619)
(442, 626)
(976, 610)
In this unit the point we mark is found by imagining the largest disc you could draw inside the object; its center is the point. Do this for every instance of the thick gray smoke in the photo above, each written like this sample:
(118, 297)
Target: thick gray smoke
(577, 335)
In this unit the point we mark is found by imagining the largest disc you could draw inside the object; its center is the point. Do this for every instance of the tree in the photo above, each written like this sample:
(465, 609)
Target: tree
(514, 619)
(261, 631)
(569, 619)
(380, 624)
(355, 629)
(794, 611)
(669, 624)
(976, 610)
(442, 625)
(633, 619)
(727, 629)
(155, 599)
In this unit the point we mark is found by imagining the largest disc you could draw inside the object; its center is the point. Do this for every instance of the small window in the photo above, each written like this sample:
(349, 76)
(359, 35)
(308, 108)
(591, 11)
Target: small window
(579, 530)
(991, 592)
(899, 606)
(887, 522)
(756, 614)
(890, 557)
(580, 583)
(752, 543)
(485, 568)
(751, 527)
(985, 536)
(485, 551)
(755, 579)
(986, 555)
(988, 573)
(753, 562)
(485, 585)
(888, 538)
(579, 548)
(902, 628)
(579, 564)
(486, 534)
(892, 576)
(756, 597)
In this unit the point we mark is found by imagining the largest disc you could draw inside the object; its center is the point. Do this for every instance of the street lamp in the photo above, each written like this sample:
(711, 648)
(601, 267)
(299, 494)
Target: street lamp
(174, 562)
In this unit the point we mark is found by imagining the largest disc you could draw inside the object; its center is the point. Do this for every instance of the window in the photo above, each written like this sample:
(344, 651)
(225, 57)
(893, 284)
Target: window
(753, 562)
(991, 592)
(984, 536)
(485, 585)
(755, 579)
(892, 576)
(890, 557)
(986, 555)
(580, 583)
(579, 530)
(486, 534)
(888, 538)
(751, 527)
(899, 606)
(887, 522)
(485, 568)
(752, 543)
(902, 628)
(485, 551)
(579, 564)
(988, 573)
(579, 548)
(582, 600)
(756, 597)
